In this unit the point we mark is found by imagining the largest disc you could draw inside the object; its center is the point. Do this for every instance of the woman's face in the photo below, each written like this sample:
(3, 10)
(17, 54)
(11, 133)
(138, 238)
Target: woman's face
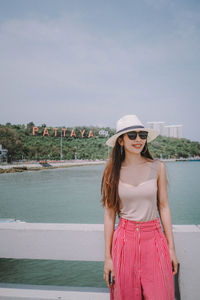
(132, 146)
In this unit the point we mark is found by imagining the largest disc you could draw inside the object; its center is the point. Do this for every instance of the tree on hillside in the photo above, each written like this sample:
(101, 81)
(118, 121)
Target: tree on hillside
(29, 128)
(10, 140)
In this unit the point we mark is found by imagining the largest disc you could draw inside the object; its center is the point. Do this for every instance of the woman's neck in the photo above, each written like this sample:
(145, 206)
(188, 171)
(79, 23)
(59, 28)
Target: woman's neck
(135, 159)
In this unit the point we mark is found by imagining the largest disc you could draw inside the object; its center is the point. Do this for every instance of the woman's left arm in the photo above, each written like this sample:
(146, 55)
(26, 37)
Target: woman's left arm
(165, 214)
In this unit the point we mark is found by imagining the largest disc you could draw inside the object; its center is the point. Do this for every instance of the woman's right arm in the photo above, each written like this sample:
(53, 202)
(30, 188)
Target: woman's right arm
(109, 225)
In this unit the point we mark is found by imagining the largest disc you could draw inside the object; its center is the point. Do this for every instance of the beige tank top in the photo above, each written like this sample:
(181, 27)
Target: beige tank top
(138, 191)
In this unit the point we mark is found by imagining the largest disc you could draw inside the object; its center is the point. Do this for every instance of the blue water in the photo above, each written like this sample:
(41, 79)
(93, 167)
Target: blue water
(72, 195)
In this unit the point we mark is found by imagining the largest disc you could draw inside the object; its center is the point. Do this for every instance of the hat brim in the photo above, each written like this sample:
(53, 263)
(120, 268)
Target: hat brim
(152, 134)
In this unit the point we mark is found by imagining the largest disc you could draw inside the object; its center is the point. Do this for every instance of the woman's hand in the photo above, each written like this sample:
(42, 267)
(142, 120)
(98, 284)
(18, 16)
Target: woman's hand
(108, 266)
(174, 260)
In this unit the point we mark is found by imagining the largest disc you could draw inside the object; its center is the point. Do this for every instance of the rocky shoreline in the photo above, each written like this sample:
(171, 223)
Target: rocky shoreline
(46, 165)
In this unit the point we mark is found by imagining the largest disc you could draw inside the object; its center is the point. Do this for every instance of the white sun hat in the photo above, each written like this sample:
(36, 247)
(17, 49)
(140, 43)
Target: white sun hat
(129, 123)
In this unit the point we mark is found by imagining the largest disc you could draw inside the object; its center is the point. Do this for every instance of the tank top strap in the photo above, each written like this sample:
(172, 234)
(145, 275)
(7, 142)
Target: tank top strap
(154, 170)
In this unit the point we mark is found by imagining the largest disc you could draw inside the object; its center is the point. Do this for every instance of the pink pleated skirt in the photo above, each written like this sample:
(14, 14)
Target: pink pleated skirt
(141, 262)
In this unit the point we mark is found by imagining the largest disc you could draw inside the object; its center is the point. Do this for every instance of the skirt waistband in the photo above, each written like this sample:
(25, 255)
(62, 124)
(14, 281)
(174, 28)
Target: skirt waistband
(132, 225)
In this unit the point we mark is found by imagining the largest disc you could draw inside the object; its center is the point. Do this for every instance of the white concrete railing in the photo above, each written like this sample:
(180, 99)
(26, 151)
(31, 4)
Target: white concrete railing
(85, 242)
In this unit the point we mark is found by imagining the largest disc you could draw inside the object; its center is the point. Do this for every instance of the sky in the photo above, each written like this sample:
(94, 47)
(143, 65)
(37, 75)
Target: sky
(88, 63)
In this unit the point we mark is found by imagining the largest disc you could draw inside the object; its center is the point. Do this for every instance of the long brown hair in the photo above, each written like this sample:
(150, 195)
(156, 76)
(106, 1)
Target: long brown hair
(110, 178)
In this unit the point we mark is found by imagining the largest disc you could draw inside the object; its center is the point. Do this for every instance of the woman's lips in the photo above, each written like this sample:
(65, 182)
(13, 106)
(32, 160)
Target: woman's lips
(137, 145)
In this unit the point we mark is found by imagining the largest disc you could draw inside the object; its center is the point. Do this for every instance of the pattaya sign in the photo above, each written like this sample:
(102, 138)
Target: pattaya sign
(72, 133)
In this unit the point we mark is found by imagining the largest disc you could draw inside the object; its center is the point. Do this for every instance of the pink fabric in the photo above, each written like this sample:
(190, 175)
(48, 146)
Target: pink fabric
(141, 262)
(138, 191)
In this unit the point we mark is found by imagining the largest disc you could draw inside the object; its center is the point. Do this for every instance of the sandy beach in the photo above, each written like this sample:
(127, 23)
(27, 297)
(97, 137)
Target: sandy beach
(44, 165)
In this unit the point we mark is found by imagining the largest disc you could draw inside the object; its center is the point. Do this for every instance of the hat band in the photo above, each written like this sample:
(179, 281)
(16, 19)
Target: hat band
(131, 127)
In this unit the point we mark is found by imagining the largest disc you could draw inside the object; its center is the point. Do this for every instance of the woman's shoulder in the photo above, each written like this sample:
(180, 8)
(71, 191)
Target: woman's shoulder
(159, 165)
(155, 163)
(159, 162)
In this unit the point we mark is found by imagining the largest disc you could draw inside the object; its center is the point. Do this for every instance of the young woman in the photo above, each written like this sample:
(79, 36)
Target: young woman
(138, 255)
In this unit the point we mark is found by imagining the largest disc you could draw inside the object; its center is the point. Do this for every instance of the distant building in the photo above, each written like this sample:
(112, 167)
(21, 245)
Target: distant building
(173, 131)
(167, 130)
(159, 126)
(3, 153)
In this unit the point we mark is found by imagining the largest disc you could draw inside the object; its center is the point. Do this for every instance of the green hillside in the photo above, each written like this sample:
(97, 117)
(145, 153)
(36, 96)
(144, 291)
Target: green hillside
(22, 144)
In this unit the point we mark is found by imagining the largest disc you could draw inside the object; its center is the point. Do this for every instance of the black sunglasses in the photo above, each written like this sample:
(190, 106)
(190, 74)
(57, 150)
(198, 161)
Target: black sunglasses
(133, 134)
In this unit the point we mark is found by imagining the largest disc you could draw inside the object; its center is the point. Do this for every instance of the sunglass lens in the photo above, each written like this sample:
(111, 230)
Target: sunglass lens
(132, 135)
(142, 134)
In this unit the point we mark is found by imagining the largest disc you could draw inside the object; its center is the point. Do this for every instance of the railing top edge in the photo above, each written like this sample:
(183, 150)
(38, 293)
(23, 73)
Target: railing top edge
(186, 228)
(80, 227)
(52, 226)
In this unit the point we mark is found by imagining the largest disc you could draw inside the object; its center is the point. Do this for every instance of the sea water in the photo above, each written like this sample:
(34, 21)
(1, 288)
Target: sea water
(72, 195)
